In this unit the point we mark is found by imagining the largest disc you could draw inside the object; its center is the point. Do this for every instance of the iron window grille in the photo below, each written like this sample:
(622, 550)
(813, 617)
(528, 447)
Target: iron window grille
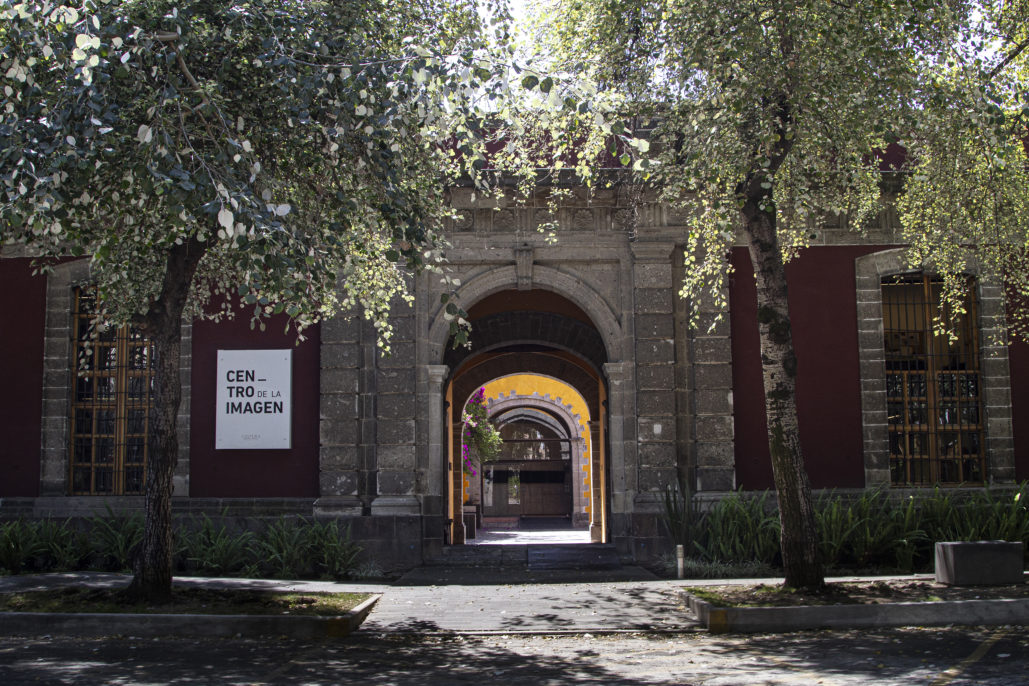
(933, 386)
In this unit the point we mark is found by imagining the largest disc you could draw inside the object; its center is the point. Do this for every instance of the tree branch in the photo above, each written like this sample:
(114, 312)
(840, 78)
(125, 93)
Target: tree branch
(1007, 60)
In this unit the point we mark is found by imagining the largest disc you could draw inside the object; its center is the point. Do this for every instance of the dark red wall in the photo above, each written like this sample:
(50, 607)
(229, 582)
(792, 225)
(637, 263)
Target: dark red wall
(253, 473)
(1018, 355)
(22, 319)
(823, 311)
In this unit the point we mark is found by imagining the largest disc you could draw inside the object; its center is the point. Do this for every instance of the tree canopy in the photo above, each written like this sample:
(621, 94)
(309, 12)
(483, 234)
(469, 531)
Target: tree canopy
(768, 116)
(298, 143)
(295, 154)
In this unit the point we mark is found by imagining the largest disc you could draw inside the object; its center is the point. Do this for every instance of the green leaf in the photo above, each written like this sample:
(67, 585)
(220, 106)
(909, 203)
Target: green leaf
(529, 82)
(546, 84)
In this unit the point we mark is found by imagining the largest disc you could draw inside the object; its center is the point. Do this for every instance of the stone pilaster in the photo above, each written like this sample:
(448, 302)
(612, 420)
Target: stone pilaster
(713, 446)
(340, 426)
(396, 463)
(655, 371)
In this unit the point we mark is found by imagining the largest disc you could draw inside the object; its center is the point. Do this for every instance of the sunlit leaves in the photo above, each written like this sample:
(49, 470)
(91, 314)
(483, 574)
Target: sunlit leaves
(305, 147)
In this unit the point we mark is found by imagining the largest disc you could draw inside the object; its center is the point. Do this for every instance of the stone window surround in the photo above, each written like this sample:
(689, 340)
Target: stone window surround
(58, 383)
(870, 270)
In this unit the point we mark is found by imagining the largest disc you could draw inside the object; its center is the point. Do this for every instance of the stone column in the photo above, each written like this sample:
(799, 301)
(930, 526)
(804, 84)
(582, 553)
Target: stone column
(713, 445)
(433, 471)
(654, 325)
(655, 370)
(996, 383)
(621, 472)
(340, 425)
(396, 411)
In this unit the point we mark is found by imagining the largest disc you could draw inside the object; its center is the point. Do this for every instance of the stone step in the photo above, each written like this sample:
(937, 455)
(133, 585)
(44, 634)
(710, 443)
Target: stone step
(589, 556)
(531, 556)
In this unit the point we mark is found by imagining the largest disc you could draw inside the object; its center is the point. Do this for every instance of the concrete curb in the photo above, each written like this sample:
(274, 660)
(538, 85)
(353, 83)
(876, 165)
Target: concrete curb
(720, 620)
(196, 626)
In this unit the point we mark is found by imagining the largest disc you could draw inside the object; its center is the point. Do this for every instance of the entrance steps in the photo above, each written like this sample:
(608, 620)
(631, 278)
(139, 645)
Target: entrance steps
(542, 556)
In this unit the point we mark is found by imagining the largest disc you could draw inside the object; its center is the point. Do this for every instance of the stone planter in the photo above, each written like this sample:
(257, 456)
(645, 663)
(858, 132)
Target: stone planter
(979, 563)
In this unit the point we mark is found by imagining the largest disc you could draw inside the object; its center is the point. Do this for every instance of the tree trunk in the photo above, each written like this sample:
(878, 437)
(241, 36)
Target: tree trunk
(162, 325)
(800, 554)
(153, 563)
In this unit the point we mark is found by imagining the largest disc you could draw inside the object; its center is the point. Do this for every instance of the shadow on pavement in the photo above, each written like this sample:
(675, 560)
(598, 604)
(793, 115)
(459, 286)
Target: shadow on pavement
(397, 660)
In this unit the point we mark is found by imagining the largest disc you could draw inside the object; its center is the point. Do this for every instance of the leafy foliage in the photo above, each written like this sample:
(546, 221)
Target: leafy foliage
(873, 530)
(796, 99)
(768, 117)
(297, 145)
(216, 550)
(114, 539)
(479, 433)
(294, 154)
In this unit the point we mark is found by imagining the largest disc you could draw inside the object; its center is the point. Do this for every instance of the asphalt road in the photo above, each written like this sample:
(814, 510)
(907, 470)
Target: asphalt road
(953, 655)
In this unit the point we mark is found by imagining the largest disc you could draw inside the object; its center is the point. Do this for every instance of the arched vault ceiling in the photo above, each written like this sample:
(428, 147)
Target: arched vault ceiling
(531, 327)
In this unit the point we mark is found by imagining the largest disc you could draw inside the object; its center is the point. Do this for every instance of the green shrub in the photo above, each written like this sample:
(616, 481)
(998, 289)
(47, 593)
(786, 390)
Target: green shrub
(216, 550)
(335, 555)
(874, 530)
(681, 516)
(284, 548)
(62, 547)
(740, 528)
(19, 545)
(114, 538)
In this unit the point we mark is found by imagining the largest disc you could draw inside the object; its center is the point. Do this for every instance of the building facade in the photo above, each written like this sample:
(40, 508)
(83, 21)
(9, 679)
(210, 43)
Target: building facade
(604, 393)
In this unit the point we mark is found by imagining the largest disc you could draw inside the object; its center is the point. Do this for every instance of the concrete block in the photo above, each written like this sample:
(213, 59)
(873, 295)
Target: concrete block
(653, 300)
(655, 351)
(656, 404)
(654, 326)
(397, 406)
(655, 377)
(979, 563)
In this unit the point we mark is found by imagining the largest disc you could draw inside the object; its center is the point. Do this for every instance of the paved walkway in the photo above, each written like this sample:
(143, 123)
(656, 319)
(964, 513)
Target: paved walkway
(551, 602)
(555, 603)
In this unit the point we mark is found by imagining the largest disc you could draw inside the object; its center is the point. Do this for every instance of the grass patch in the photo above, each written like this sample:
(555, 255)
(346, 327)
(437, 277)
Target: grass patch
(212, 601)
(851, 593)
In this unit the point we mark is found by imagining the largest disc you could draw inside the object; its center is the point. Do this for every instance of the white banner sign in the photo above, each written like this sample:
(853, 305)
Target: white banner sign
(253, 400)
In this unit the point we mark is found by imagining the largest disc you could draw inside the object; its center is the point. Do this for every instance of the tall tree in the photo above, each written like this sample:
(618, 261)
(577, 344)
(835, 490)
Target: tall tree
(294, 154)
(767, 115)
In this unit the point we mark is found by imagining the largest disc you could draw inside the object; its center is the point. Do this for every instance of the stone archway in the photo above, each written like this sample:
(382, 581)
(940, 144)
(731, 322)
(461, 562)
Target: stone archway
(577, 429)
(536, 331)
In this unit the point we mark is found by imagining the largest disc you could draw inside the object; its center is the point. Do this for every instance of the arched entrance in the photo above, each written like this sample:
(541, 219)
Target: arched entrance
(544, 472)
(540, 359)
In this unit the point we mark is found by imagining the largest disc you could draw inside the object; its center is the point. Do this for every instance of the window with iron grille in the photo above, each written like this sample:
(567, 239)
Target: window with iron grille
(933, 387)
(111, 401)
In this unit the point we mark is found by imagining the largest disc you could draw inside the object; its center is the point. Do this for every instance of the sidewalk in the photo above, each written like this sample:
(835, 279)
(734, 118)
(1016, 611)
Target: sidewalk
(558, 605)
(552, 602)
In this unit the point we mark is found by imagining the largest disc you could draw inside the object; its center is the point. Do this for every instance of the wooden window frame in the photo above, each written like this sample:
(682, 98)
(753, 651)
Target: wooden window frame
(919, 369)
(110, 395)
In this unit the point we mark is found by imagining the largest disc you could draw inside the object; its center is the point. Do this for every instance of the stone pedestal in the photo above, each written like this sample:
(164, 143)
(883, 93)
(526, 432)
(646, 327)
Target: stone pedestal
(979, 563)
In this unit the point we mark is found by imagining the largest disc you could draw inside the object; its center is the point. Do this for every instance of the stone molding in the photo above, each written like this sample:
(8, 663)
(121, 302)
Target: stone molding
(59, 382)
(606, 321)
(995, 370)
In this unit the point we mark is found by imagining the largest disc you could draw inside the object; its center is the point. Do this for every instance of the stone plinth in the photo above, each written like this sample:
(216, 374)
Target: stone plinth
(979, 563)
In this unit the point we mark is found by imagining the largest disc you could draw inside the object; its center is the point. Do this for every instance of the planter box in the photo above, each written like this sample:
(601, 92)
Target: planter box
(979, 563)
(720, 620)
(193, 626)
